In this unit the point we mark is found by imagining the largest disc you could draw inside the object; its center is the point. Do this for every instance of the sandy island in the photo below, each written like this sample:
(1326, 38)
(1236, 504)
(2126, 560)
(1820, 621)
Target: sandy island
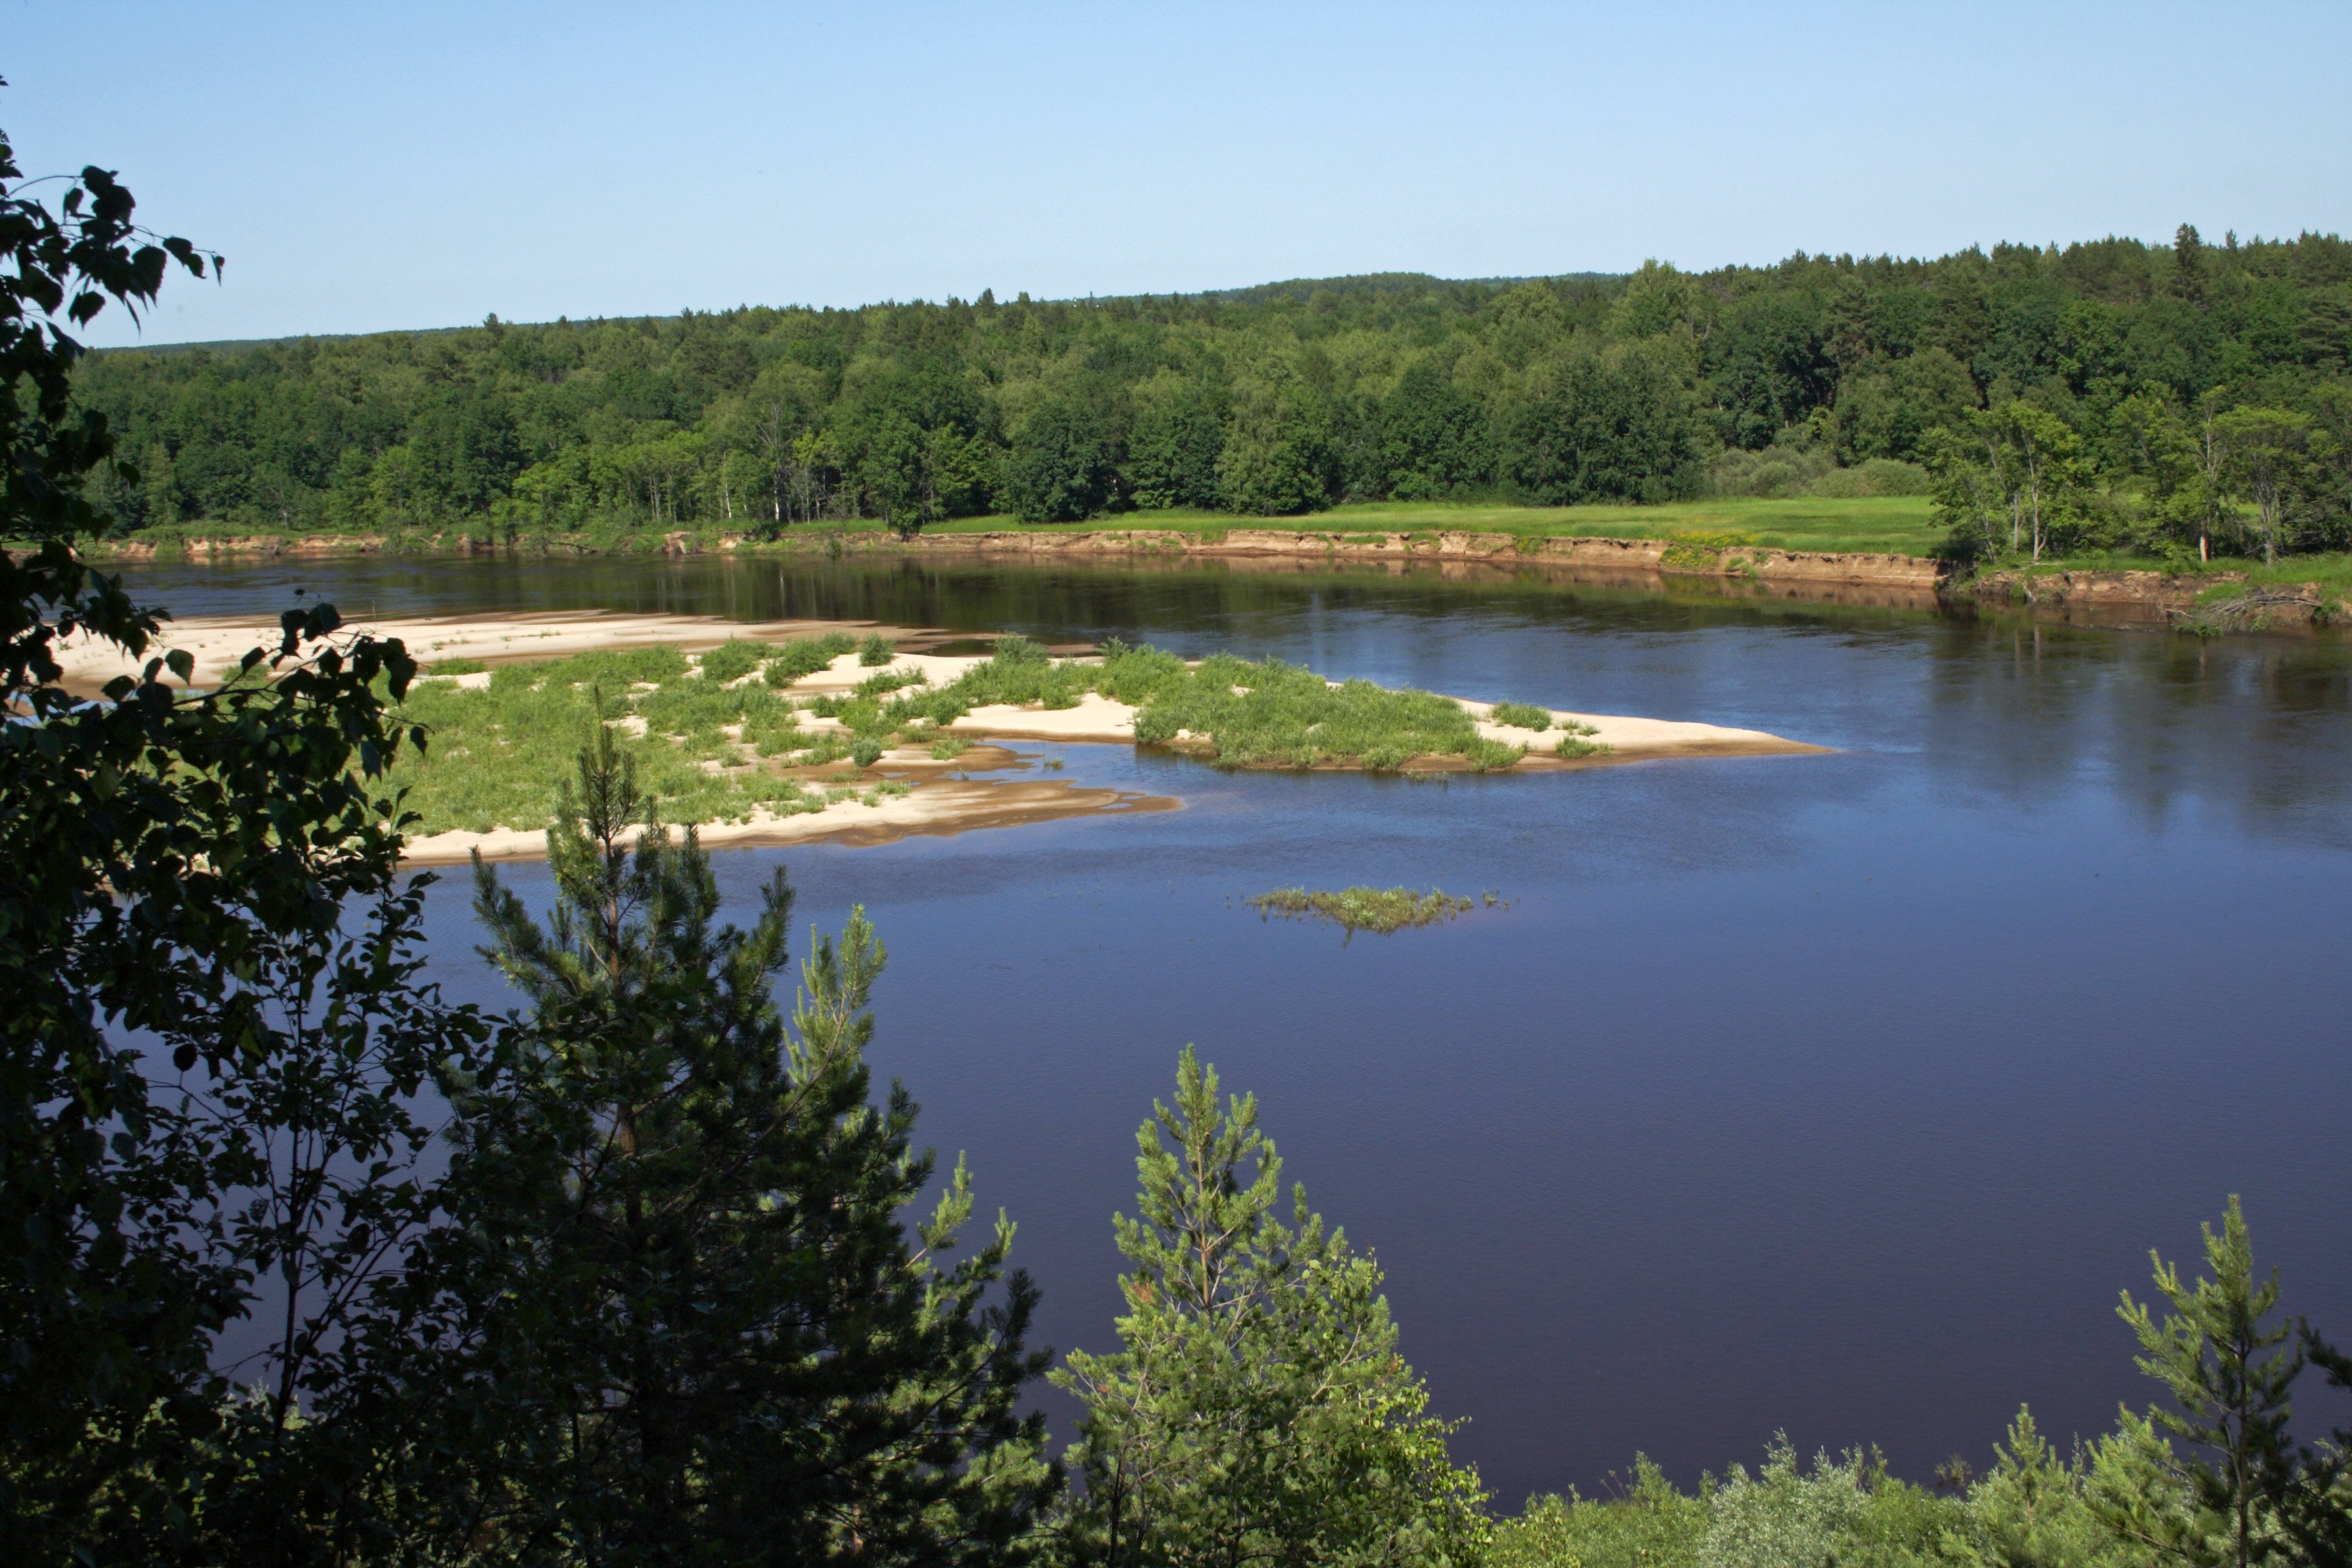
(942, 798)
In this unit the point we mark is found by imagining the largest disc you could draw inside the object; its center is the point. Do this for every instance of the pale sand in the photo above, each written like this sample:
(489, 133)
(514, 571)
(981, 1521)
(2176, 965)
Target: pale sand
(217, 645)
(936, 805)
(1628, 740)
(941, 809)
(1632, 740)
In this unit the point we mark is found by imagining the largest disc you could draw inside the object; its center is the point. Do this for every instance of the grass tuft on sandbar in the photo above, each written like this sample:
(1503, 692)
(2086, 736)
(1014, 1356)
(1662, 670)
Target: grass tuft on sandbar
(1266, 714)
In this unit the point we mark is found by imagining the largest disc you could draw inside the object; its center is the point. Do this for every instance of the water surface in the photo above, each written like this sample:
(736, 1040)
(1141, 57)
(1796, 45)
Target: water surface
(1836, 1095)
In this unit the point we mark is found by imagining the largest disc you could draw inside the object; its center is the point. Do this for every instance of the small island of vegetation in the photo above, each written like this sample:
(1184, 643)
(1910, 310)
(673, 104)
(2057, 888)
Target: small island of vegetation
(1380, 910)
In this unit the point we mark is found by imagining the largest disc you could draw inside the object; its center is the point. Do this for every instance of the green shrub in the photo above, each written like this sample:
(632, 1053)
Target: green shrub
(803, 656)
(824, 748)
(865, 751)
(1652, 1526)
(775, 733)
(890, 680)
(1015, 648)
(733, 659)
(1520, 715)
(874, 650)
(1493, 756)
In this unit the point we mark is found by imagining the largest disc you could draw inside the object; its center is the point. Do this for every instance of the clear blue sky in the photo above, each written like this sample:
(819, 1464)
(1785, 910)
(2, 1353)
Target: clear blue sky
(367, 166)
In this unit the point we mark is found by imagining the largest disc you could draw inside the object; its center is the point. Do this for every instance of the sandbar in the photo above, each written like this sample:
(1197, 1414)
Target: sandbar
(935, 804)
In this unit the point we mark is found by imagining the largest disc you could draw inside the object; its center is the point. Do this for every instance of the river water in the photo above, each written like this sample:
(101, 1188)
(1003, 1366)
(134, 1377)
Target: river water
(1833, 1095)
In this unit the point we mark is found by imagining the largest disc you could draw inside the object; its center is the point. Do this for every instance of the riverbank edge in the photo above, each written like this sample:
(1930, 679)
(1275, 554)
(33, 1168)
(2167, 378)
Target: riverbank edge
(2205, 602)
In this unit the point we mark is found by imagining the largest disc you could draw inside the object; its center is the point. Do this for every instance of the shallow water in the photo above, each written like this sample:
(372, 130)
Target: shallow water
(1836, 1095)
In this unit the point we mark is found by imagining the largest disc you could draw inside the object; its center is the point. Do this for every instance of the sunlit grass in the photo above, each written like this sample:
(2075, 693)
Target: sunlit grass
(497, 754)
(1267, 714)
(1381, 910)
(1902, 525)
(714, 747)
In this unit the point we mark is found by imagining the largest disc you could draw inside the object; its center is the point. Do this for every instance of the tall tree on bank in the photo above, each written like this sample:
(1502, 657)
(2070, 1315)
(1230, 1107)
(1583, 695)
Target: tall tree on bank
(1257, 1410)
(690, 1326)
(2230, 1374)
(175, 867)
(2267, 458)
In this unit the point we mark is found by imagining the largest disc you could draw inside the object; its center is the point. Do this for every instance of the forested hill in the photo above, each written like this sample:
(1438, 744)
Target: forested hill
(2110, 369)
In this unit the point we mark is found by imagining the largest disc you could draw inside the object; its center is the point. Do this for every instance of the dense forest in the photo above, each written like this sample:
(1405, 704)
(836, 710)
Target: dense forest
(2171, 400)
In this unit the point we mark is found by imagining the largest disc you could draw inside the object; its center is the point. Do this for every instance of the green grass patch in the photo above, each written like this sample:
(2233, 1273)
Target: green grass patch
(1520, 716)
(455, 667)
(497, 752)
(1572, 743)
(733, 659)
(1272, 714)
(1898, 525)
(1381, 910)
(803, 656)
(1701, 552)
(1263, 715)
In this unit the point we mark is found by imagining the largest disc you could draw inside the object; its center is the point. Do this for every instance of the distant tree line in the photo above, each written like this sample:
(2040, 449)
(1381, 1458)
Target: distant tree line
(2108, 395)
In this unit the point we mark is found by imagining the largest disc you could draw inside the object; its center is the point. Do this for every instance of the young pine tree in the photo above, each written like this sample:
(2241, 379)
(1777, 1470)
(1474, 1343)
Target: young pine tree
(1258, 1410)
(695, 1328)
(2029, 1511)
(2230, 1379)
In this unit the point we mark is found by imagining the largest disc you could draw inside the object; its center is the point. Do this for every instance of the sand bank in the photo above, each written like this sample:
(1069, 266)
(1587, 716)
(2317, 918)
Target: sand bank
(939, 808)
(935, 803)
(216, 644)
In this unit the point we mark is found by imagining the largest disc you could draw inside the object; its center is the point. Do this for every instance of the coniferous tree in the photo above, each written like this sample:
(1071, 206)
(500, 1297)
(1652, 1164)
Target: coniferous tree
(2231, 1374)
(682, 1321)
(1258, 1410)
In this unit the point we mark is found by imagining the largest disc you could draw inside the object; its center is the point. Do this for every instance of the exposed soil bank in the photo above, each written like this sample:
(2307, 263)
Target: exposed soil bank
(2115, 598)
(2207, 602)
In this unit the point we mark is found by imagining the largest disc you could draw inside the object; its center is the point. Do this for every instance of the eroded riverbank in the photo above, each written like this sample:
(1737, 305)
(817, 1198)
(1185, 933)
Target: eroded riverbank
(2220, 600)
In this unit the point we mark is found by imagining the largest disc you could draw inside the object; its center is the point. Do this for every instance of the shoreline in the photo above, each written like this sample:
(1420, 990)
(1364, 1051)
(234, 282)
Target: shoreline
(2118, 598)
(927, 802)
(939, 808)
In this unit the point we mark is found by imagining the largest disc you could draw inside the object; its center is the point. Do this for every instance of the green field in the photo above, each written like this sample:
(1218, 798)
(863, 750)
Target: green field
(1902, 525)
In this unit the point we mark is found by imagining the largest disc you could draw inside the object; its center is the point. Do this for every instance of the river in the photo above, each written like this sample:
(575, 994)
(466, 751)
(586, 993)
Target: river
(1833, 1095)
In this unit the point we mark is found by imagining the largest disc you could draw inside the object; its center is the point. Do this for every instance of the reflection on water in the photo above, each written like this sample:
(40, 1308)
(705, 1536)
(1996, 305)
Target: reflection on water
(1835, 1094)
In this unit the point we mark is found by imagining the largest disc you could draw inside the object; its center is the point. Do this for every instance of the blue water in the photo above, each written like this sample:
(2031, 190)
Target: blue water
(1836, 1095)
